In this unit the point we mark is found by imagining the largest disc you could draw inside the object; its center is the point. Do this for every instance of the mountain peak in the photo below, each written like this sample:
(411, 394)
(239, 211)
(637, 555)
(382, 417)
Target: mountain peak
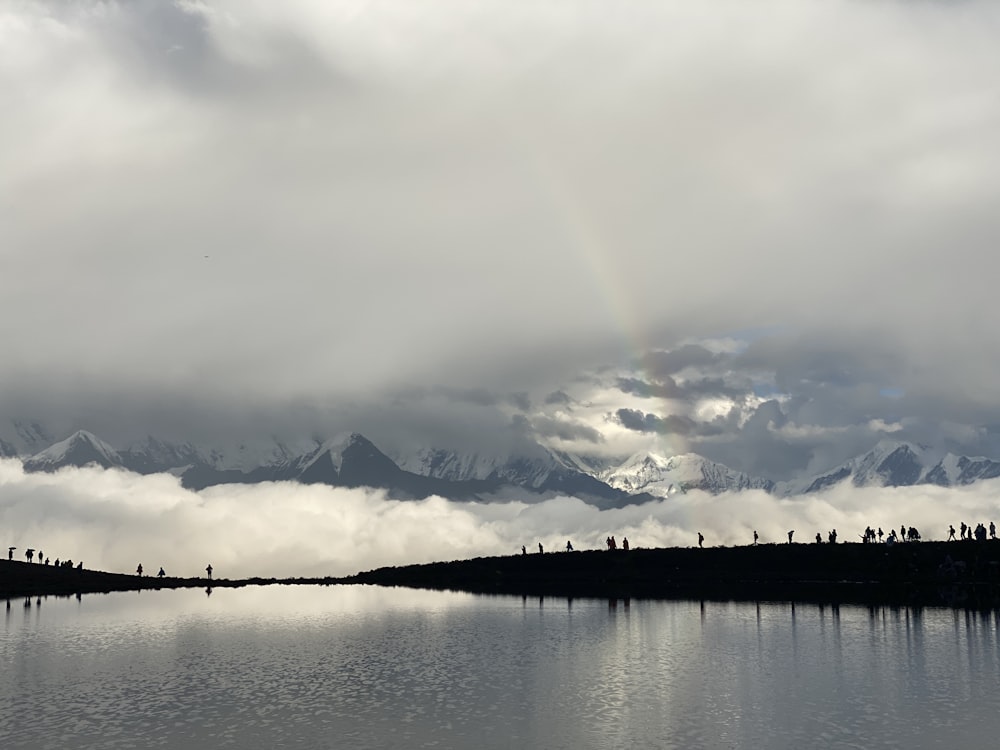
(82, 448)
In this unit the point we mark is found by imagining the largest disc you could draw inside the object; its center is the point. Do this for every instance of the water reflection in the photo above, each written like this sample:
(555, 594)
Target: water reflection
(370, 667)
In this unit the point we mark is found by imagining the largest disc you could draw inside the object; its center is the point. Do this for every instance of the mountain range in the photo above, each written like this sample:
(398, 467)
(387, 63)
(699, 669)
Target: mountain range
(534, 473)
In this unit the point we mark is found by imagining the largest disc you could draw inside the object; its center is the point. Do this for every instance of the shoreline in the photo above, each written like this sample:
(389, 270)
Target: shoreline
(964, 574)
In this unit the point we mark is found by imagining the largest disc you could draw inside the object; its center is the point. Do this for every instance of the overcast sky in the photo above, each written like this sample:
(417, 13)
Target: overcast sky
(764, 231)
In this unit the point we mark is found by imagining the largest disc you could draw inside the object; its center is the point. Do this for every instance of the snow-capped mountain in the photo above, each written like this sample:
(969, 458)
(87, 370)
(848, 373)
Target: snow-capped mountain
(536, 468)
(23, 438)
(351, 460)
(900, 464)
(82, 448)
(663, 476)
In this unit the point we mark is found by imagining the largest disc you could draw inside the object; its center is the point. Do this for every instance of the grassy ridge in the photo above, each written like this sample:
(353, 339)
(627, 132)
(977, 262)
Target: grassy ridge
(916, 573)
(962, 573)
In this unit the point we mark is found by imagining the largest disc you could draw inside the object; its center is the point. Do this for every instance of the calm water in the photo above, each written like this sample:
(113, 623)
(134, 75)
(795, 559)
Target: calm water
(360, 667)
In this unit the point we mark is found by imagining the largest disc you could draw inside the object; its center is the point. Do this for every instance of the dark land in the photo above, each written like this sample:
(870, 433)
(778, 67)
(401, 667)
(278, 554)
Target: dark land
(955, 574)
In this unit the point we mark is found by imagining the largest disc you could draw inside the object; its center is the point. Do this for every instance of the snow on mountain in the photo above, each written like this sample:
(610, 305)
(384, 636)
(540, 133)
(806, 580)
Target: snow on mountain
(152, 455)
(900, 464)
(663, 476)
(352, 460)
(82, 448)
(455, 466)
(23, 438)
(955, 470)
(533, 467)
(326, 458)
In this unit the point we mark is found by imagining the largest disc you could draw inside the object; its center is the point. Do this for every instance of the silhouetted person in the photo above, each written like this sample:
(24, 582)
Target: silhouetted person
(79, 565)
(993, 530)
(540, 550)
(30, 554)
(755, 537)
(790, 535)
(963, 527)
(880, 534)
(625, 543)
(46, 561)
(524, 550)
(41, 556)
(569, 546)
(951, 532)
(614, 542)
(138, 570)
(161, 573)
(701, 539)
(902, 532)
(819, 539)
(209, 570)
(832, 536)
(10, 553)
(57, 562)
(608, 541)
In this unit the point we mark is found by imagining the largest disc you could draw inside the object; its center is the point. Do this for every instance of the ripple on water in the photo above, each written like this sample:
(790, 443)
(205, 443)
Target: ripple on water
(447, 670)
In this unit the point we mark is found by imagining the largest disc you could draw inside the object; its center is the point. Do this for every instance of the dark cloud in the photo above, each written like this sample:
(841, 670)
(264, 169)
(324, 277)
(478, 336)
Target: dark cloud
(672, 424)
(689, 390)
(564, 429)
(558, 398)
(667, 388)
(665, 363)
(521, 400)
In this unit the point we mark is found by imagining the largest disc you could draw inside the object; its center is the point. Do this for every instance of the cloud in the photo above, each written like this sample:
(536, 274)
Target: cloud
(564, 428)
(304, 213)
(114, 520)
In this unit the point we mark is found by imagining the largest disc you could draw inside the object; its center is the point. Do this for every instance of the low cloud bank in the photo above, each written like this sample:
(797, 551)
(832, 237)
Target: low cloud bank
(113, 520)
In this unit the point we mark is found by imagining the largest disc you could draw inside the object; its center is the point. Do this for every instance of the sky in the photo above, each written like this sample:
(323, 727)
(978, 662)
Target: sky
(763, 232)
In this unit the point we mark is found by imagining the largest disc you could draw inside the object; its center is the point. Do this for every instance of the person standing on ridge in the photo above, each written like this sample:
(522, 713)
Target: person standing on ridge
(209, 570)
(755, 537)
(138, 570)
(701, 539)
(790, 535)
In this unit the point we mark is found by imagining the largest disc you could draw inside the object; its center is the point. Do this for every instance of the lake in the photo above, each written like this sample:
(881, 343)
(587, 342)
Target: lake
(368, 667)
